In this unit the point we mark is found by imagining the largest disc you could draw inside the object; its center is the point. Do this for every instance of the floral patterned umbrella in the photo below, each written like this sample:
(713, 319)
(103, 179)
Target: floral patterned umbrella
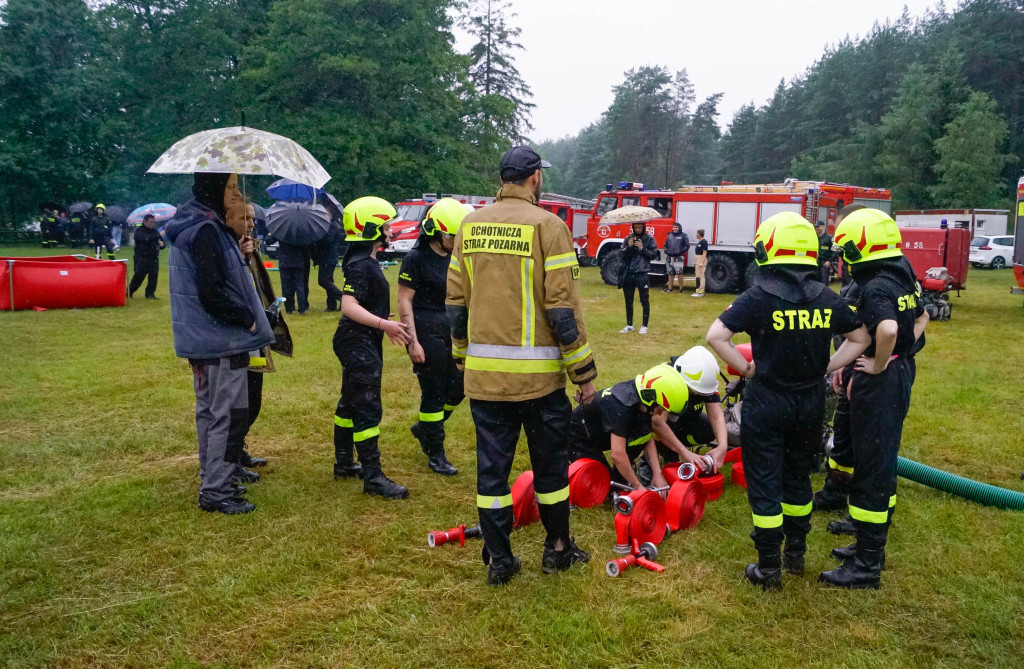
(241, 150)
(631, 214)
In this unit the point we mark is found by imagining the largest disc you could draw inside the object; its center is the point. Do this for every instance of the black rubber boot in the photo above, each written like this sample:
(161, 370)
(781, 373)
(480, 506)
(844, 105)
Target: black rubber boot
(793, 554)
(248, 461)
(847, 553)
(841, 527)
(863, 572)
(374, 481)
(431, 438)
(345, 466)
(500, 574)
(834, 494)
(767, 573)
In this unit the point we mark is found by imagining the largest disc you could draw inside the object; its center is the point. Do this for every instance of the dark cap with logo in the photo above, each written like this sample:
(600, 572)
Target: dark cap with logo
(520, 162)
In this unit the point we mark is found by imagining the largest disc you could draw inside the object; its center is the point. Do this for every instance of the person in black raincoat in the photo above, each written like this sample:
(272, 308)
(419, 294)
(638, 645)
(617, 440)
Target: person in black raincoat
(99, 232)
(358, 343)
(422, 283)
(148, 242)
(324, 254)
(638, 250)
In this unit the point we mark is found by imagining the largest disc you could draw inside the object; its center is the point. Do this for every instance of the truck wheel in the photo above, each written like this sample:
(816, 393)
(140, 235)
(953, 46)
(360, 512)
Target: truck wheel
(722, 274)
(750, 276)
(611, 267)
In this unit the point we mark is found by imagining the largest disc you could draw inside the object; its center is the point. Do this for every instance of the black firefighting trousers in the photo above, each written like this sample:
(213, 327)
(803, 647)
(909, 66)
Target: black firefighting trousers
(781, 431)
(498, 424)
(692, 430)
(878, 407)
(357, 418)
(439, 377)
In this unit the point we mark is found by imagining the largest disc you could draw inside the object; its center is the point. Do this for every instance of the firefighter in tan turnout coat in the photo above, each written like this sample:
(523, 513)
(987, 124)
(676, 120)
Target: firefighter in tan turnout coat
(513, 303)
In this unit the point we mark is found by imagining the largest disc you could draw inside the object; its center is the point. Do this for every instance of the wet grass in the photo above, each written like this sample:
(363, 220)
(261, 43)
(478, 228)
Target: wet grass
(106, 561)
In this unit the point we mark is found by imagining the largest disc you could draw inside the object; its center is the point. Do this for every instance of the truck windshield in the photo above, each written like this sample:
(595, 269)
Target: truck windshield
(411, 212)
(607, 204)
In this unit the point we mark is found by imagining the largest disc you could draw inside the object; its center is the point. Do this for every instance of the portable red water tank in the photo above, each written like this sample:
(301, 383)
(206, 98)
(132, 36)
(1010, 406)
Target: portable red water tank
(62, 282)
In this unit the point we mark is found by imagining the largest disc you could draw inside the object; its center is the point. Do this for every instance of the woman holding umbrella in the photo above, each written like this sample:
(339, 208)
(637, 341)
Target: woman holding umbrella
(422, 284)
(358, 343)
(638, 250)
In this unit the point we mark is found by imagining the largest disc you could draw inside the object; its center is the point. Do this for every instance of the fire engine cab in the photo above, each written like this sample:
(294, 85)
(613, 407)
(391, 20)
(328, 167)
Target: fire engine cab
(729, 215)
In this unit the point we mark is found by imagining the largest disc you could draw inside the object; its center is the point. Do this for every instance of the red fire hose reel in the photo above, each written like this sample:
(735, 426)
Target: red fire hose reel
(640, 517)
(525, 510)
(589, 483)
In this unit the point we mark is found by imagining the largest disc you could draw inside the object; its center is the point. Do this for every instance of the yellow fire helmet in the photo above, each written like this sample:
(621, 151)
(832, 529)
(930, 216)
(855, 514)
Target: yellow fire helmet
(868, 234)
(786, 238)
(364, 218)
(101, 206)
(663, 385)
(444, 217)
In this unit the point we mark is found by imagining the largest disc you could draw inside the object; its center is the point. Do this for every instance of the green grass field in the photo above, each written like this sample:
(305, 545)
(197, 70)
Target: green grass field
(105, 560)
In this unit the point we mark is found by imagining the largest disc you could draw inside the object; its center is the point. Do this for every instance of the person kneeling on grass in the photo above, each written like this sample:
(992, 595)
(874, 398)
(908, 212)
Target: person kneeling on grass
(623, 419)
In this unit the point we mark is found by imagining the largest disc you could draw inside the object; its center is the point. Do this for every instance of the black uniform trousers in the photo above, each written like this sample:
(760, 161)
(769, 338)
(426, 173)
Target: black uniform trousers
(439, 376)
(295, 289)
(498, 424)
(357, 418)
(781, 432)
(692, 430)
(255, 387)
(640, 283)
(878, 407)
(144, 269)
(841, 457)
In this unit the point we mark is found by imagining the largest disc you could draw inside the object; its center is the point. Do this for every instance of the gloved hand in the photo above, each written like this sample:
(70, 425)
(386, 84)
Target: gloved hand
(273, 317)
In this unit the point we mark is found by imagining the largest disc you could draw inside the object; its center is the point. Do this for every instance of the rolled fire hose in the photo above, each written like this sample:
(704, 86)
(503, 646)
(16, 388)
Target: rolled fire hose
(589, 483)
(975, 491)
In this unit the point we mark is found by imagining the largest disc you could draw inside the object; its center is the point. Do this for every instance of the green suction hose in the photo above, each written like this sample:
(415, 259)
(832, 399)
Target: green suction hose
(983, 493)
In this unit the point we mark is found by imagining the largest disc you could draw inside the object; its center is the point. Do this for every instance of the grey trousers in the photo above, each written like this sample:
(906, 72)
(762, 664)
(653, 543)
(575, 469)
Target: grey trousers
(222, 421)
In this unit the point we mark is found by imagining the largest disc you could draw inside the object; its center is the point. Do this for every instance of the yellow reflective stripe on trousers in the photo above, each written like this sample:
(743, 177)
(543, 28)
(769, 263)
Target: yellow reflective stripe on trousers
(342, 422)
(492, 502)
(451, 407)
(559, 261)
(865, 516)
(838, 467)
(691, 441)
(640, 440)
(454, 264)
(526, 276)
(553, 497)
(579, 354)
(512, 366)
(369, 433)
(432, 417)
(767, 522)
(797, 509)
(892, 501)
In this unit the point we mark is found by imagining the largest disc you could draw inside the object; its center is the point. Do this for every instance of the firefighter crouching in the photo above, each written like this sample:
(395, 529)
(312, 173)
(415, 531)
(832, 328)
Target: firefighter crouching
(514, 308)
(790, 317)
(880, 386)
(422, 283)
(358, 343)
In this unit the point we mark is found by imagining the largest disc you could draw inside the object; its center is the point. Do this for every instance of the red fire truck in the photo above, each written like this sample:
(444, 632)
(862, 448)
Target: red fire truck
(729, 215)
(1018, 242)
(575, 212)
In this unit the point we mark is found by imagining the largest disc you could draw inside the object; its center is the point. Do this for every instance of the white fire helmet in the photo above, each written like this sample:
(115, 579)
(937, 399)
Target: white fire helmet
(700, 370)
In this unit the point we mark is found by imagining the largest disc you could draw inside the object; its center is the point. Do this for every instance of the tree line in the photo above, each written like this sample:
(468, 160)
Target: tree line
(94, 92)
(932, 107)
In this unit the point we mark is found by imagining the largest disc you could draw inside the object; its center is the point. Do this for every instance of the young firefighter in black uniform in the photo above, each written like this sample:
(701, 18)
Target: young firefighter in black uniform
(880, 388)
(99, 232)
(790, 317)
(358, 343)
(422, 283)
(148, 243)
(624, 418)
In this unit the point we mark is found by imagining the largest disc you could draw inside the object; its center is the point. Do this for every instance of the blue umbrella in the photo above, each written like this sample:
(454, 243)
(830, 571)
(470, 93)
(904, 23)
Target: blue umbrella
(161, 211)
(286, 189)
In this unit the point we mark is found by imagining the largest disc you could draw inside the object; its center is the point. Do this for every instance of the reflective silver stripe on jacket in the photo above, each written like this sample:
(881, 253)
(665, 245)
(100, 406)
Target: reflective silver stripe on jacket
(514, 352)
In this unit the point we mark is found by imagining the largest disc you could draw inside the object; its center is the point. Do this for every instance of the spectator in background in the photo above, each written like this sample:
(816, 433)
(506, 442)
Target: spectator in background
(99, 232)
(148, 243)
(325, 254)
(700, 262)
(294, 263)
(638, 250)
(677, 244)
(116, 231)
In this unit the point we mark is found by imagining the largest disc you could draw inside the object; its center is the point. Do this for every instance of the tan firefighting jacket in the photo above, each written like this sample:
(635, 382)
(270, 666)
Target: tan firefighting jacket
(513, 301)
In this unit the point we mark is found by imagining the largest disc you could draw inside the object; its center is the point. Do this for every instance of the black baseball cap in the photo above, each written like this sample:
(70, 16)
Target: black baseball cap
(520, 162)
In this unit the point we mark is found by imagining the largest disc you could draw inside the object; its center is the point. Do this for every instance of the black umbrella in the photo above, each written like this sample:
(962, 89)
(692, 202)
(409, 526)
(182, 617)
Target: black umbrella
(298, 223)
(333, 204)
(79, 207)
(117, 214)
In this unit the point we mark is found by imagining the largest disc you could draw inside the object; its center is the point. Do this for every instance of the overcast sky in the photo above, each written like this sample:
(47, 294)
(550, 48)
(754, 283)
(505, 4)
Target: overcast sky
(576, 50)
